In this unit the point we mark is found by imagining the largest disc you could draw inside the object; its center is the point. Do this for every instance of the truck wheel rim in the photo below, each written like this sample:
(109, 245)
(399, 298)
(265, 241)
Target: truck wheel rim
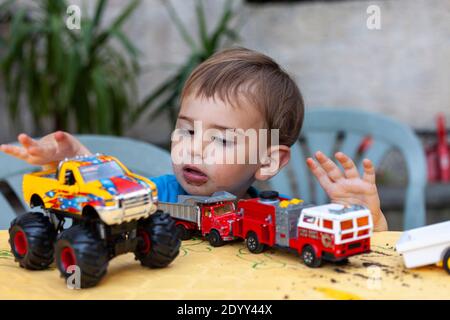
(67, 258)
(20, 243)
(308, 257)
(145, 244)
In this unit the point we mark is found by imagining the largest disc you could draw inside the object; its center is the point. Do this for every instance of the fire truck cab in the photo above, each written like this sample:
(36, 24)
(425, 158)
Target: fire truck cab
(332, 232)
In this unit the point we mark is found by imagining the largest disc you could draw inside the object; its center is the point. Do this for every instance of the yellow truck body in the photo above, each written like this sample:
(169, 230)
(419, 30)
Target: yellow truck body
(98, 183)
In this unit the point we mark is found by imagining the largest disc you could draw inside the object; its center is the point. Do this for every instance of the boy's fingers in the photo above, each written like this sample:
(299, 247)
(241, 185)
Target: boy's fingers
(347, 163)
(369, 171)
(329, 166)
(36, 151)
(18, 152)
(319, 173)
(4, 148)
(26, 140)
(42, 149)
(60, 137)
(63, 141)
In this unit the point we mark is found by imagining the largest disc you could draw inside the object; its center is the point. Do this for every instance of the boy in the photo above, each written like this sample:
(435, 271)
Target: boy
(236, 90)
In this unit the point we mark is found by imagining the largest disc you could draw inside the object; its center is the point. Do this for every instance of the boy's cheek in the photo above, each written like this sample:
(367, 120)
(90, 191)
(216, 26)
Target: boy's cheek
(232, 174)
(181, 153)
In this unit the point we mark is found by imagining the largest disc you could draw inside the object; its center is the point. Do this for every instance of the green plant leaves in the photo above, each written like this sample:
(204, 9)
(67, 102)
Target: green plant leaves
(179, 24)
(74, 78)
(78, 80)
(116, 25)
(166, 97)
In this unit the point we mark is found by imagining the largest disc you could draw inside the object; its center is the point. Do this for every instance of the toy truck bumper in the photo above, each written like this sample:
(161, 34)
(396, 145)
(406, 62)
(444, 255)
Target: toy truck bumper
(115, 215)
(226, 231)
(129, 207)
(347, 250)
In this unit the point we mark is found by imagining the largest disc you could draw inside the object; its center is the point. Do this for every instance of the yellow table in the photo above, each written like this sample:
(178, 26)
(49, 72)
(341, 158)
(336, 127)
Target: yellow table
(231, 272)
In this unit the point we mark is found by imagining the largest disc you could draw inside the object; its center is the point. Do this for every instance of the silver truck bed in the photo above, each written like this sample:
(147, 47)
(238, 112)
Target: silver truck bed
(187, 207)
(181, 211)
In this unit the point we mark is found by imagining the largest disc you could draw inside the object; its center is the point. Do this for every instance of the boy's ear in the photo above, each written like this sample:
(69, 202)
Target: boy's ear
(276, 158)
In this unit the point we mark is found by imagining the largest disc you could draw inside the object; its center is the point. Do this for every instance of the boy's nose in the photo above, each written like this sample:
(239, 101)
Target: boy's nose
(197, 146)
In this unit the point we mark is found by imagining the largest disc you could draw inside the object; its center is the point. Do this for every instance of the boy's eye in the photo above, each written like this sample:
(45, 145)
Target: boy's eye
(186, 132)
(223, 141)
(181, 133)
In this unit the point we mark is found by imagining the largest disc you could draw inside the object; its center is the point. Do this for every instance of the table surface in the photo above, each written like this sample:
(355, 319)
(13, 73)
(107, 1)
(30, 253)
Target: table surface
(231, 272)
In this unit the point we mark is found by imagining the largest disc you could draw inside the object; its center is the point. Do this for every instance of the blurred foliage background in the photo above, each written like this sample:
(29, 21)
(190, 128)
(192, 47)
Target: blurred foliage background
(86, 79)
(69, 75)
(166, 97)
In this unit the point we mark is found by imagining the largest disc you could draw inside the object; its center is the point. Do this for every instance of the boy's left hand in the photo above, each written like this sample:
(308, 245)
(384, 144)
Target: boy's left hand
(348, 187)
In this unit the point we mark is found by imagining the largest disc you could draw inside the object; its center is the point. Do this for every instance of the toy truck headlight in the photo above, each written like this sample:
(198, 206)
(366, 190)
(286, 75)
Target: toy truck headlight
(111, 202)
(154, 196)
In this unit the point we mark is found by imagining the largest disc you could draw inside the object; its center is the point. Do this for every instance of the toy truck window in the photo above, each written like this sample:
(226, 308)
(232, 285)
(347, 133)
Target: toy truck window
(328, 224)
(363, 232)
(69, 178)
(309, 219)
(346, 224)
(224, 209)
(207, 212)
(363, 221)
(101, 171)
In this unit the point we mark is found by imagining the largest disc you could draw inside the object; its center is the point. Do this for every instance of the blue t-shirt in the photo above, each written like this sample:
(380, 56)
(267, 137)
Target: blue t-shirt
(169, 189)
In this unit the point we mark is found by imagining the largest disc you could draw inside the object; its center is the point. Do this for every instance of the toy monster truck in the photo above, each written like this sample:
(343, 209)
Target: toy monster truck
(112, 210)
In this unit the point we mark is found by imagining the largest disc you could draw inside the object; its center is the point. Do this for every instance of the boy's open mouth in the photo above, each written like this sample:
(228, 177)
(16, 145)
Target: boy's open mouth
(194, 176)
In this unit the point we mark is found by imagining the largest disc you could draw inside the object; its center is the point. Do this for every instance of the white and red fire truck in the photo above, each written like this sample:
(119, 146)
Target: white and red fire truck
(331, 232)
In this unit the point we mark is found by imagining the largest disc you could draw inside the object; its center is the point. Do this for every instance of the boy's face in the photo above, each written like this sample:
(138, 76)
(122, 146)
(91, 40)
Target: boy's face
(200, 142)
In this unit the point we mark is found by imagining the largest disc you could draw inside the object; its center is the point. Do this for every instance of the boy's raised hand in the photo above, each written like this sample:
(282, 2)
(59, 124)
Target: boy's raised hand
(348, 187)
(47, 151)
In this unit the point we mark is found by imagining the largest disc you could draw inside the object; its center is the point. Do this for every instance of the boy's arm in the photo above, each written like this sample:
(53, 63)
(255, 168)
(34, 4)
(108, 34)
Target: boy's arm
(47, 151)
(348, 187)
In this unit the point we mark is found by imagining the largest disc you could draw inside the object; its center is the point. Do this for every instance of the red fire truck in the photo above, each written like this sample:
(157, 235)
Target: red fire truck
(212, 217)
(330, 232)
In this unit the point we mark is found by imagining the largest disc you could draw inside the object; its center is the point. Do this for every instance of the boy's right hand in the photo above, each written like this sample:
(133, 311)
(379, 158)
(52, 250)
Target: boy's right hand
(48, 151)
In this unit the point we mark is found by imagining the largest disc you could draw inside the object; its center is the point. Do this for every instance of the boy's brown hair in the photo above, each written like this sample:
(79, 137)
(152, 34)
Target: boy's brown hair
(231, 72)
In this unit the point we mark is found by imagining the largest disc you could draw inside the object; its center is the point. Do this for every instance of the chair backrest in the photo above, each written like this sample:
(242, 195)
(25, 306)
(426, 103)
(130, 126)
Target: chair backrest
(324, 129)
(140, 157)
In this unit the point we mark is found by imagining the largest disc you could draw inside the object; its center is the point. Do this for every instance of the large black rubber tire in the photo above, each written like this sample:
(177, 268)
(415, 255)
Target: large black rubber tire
(183, 232)
(40, 236)
(310, 258)
(214, 238)
(446, 261)
(253, 244)
(165, 243)
(91, 254)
